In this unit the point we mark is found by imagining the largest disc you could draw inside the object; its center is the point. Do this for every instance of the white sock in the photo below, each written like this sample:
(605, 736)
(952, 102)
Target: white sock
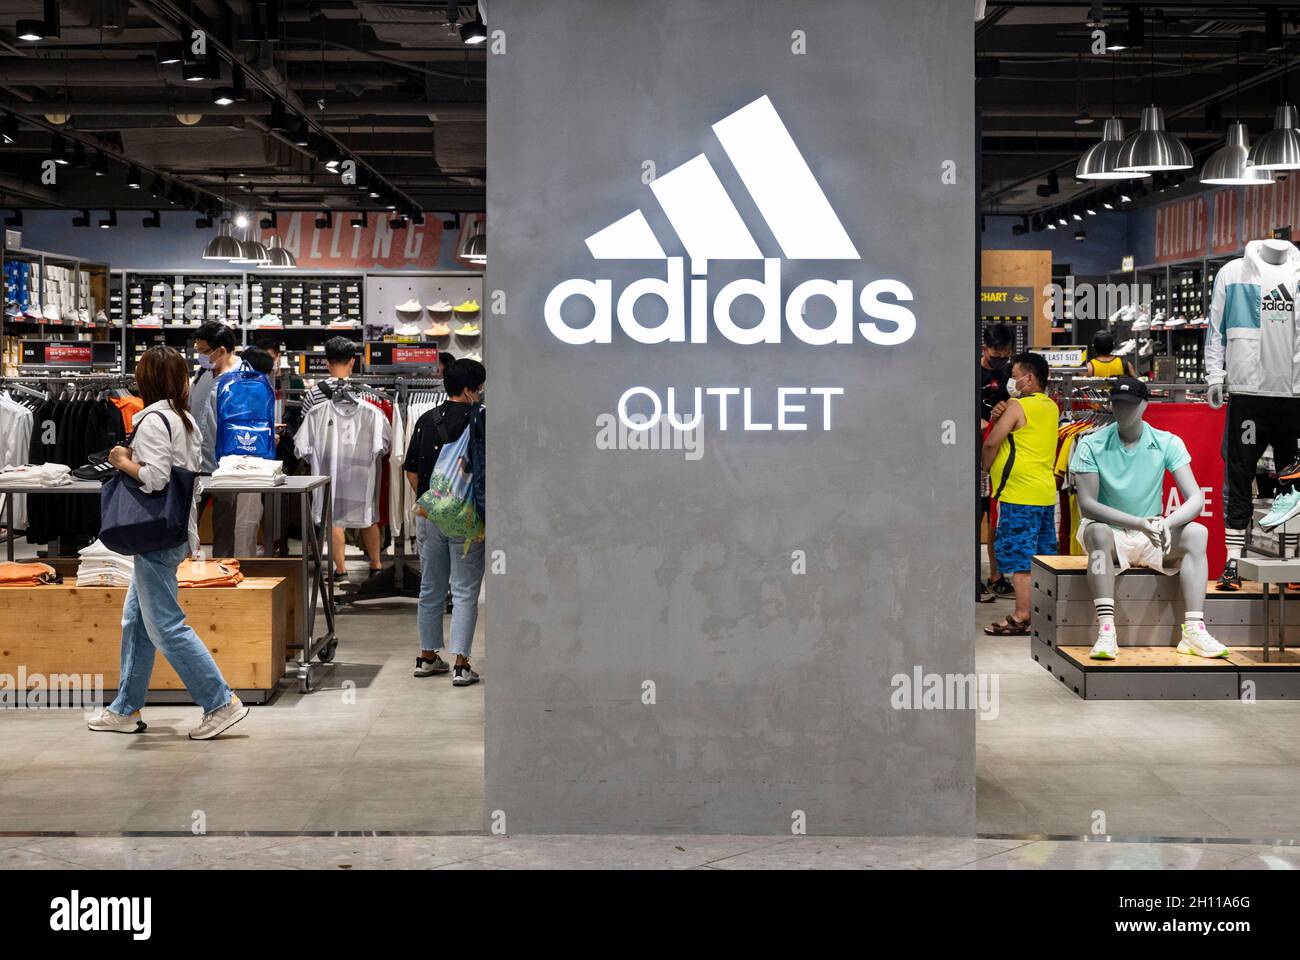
(1235, 541)
(1192, 617)
(1105, 607)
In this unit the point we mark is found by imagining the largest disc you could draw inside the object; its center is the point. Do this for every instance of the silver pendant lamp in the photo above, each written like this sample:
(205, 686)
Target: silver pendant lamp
(223, 246)
(1153, 148)
(1228, 166)
(278, 258)
(1101, 160)
(1279, 149)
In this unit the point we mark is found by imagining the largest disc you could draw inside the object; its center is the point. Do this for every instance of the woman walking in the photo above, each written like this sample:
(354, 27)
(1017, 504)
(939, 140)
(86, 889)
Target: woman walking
(166, 436)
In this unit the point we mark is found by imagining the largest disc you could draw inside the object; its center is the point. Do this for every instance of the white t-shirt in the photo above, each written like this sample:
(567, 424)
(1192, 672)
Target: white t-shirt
(344, 440)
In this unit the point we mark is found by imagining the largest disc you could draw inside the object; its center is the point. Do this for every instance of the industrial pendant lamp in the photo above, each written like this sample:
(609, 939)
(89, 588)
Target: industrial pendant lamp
(1101, 160)
(1279, 149)
(278, 257)
(1227, 166)
(1230, 165)
(1153, 148)
(223, 246)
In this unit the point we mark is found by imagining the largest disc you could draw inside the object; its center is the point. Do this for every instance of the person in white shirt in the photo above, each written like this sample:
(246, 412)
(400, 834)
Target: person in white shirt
(166, 436)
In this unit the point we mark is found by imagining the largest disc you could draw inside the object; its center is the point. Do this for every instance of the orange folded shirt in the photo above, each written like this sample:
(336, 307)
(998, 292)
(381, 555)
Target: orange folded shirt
(211, 573)
(25, 574)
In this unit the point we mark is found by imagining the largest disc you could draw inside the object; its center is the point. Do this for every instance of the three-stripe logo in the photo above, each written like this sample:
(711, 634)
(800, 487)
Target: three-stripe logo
(779, 180)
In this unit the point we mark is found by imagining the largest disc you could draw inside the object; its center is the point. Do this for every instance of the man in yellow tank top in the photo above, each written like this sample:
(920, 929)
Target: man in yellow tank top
(1019, 454)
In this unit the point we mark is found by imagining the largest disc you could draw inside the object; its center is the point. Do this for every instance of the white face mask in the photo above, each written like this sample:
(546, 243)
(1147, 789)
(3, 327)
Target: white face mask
(1013, 388)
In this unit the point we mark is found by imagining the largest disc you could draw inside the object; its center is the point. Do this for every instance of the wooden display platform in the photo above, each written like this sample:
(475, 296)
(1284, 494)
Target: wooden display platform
(62, 629)
(1148, 614)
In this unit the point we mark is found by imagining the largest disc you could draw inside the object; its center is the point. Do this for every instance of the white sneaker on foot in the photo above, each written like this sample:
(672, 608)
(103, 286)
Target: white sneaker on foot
(1107, 645)
(1197, 642)
(217, 722)
(106, 721)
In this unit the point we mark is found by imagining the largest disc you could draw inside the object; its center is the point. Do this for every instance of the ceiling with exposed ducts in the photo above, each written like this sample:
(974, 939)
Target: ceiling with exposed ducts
(269, 116)
(1043, 96)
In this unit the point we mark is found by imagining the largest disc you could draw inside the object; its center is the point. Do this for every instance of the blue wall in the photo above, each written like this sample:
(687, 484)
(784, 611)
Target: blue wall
(1107, 244)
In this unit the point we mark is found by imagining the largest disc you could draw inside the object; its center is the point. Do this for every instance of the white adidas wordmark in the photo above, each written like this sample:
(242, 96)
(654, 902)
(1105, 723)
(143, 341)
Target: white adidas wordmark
(706, 221)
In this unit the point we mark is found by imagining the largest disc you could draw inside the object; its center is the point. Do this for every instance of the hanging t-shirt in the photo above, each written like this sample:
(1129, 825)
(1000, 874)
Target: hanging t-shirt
(1131, 478)
(344, 439)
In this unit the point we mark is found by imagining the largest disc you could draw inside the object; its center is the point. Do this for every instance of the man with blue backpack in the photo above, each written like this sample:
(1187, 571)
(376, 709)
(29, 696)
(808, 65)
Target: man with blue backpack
(238, 418)
(444, 466)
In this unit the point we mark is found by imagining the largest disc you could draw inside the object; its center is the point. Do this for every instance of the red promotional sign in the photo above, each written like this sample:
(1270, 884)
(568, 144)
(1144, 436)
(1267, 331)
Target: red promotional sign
(422, 355)
(341, 246)
(68, 353)
(1226, 236)
(1201, 430)
(1277, 205)
(1182, 229)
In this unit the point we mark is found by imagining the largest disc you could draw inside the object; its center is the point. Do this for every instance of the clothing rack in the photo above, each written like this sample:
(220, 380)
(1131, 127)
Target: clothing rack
(398, 579)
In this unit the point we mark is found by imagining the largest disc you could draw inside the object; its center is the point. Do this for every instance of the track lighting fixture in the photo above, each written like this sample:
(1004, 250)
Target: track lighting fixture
(324, 220)
(397, 223)
(270, 222)
(109, 221)
(1051, 225)
(153, 221)
(361, 220)
(204, 222)
(16, 220)
(47, 28)
(417, 217)
(59, 150)
(1048, 189)
(169, 52)
(157, 186)
(78, 154)
(301, 135)
(1081, 235)
(82, 220)
(473, 31)
(133, 178)
(1021, 228)
(9, 128)
(207, 67)
(100, 166)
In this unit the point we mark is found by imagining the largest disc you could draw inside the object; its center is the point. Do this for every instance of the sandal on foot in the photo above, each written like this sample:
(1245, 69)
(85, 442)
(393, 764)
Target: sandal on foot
(1008, 627)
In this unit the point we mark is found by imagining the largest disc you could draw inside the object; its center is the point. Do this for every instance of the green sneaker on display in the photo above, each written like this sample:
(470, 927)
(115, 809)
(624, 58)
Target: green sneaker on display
(1285, 506)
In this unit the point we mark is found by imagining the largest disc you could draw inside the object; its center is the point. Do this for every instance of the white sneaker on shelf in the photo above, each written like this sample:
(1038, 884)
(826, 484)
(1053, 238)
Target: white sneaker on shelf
(1107, 645)
(1197, 642)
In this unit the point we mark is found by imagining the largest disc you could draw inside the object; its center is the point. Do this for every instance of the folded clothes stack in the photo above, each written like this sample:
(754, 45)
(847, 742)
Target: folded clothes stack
(42, 475)
(209, 573)
(26, 574)
(249, 472)
(101, 567)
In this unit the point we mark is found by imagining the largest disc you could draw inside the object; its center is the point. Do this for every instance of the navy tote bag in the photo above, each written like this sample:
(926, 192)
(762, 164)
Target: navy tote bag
(132, 521)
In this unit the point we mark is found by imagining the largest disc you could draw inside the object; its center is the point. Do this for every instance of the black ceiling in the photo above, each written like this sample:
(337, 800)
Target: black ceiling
(1037, 73)
(390, 85)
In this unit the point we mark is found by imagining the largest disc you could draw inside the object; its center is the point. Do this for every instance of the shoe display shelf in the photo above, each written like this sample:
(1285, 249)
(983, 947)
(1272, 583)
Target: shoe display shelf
(1148, 616)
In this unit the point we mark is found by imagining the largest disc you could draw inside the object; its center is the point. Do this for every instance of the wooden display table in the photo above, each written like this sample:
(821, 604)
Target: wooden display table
(1148, 617)
(60, 629)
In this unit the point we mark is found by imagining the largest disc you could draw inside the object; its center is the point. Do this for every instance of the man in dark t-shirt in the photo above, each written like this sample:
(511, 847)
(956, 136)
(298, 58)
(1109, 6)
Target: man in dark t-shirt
(995, 368)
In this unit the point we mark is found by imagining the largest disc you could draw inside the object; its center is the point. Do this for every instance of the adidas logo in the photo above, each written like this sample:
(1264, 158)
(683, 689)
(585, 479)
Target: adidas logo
(245, 440)
(1278, 300)
(709, 226)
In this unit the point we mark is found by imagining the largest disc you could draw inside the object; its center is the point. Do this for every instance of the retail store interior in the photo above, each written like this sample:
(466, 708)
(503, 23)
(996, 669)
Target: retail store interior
(296, 173)
(1131, 184)
(317, 170)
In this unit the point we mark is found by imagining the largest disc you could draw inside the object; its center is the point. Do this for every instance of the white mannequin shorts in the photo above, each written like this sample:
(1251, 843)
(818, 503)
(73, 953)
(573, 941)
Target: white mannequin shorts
(1132, 549)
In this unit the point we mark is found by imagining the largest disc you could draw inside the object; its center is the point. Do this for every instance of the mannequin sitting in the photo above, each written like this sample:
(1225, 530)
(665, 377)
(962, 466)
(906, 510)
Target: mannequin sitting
(1119, 476)
(1102, 361)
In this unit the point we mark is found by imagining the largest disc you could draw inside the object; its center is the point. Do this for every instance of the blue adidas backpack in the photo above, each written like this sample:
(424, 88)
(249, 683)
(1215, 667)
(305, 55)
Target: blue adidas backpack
(245, 415)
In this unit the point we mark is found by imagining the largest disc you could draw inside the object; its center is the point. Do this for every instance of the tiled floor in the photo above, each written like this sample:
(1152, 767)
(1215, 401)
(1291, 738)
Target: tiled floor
(1053, 764)
(620, 852)
(377, 750)
(352, 755)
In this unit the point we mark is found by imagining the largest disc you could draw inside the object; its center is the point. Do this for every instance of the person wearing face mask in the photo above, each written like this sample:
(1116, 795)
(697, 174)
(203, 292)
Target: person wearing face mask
(995, 361)
(1119, 475)
(214, 345)
(1019, 453)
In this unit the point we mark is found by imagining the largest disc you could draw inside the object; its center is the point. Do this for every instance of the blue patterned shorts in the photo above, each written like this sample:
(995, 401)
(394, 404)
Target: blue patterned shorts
(1023, 531)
